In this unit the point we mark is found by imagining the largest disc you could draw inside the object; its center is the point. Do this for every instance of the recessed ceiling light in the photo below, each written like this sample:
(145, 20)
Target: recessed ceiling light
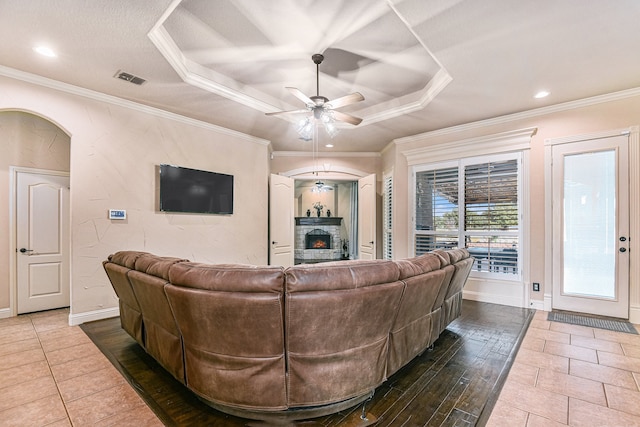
(329, 145)
(542, 94)
(45, 51)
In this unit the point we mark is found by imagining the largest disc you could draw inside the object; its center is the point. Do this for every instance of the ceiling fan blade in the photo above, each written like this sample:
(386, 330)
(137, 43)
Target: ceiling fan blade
(287, 112)
(346, 100)
(347, 118)
(301, 96)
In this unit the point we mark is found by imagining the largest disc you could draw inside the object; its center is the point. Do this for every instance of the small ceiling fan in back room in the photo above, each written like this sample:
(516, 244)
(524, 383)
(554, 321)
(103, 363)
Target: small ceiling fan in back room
(321, 187)
(323, 110)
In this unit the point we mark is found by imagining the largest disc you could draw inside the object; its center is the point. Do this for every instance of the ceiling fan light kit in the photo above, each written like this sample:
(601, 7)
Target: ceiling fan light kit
(321, 108)
(321, 187)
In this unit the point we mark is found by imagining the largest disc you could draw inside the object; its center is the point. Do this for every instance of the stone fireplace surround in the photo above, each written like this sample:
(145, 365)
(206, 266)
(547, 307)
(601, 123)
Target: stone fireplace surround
(305, 225)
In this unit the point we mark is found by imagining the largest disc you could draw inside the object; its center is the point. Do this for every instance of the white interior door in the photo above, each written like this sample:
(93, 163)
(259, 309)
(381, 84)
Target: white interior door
(281, 220)
(367, 217)
(42, 241)
(591, 226)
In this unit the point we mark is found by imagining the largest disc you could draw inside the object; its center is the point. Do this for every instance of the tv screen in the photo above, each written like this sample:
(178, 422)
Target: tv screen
(195, 191)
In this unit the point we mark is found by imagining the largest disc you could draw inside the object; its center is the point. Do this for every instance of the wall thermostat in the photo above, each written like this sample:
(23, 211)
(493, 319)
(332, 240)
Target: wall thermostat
(117, 214)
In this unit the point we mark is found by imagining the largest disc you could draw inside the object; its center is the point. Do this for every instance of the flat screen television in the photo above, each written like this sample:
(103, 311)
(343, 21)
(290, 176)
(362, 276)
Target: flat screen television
(195, 191)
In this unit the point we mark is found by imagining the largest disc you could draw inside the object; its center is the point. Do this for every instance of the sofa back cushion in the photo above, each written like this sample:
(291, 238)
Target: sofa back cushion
(117, 266)
(161, 334)
(162, 337)
(338, 320)
(462, 262)
(419, 265)
(413, 329)
(126, 258)
(231, 321)
(156, 265)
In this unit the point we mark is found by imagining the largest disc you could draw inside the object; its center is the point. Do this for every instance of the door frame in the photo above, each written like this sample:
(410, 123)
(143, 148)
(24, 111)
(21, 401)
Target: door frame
(329, 172)
(634, 212)
(13, 248)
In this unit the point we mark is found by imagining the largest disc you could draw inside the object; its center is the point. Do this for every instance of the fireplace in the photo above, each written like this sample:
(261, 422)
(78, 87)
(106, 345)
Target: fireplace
(317, 239)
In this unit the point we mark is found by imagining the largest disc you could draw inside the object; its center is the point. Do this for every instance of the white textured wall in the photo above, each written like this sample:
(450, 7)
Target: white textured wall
(114, 153)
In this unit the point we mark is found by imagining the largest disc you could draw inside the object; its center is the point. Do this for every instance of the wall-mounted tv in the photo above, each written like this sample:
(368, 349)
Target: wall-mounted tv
(195, 191)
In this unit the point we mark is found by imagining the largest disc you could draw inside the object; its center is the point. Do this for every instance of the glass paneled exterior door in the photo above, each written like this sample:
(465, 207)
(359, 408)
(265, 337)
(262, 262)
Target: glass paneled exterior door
(590, 220)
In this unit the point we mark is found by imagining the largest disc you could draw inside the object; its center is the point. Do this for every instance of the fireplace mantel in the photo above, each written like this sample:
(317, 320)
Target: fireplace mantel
(323, 220)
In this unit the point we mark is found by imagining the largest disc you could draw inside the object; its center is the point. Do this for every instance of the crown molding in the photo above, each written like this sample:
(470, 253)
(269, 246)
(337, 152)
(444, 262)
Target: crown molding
(121, 102)
(202, 77)
(197, 75)
(503, 142)
(439, 81)
(324, 154)
(565, 106)
(587, 136)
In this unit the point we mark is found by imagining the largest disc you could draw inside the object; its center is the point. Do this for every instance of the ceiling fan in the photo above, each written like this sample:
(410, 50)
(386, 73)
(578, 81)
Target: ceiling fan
(322, 108)
(321, 187)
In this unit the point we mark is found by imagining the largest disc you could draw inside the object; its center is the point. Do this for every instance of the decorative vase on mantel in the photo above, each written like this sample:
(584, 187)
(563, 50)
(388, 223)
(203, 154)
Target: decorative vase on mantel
(308, 212)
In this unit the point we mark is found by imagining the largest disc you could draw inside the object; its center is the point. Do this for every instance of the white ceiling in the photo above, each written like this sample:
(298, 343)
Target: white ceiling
(421, 65)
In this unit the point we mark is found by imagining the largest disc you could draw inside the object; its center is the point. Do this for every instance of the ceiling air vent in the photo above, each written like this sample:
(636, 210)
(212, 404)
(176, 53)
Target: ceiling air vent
(129, 77)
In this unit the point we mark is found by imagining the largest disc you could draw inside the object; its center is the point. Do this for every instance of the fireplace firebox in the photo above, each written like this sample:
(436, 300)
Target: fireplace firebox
(317, 239)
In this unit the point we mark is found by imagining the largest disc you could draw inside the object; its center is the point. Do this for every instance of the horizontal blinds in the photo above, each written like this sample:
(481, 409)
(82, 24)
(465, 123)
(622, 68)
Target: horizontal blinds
(437, 200)
(491, 196)
(490, 226)
(494, 254)
(428, 242)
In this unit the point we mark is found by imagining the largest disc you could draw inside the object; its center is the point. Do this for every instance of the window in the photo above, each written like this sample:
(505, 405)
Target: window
(387, 195)
(471, 203)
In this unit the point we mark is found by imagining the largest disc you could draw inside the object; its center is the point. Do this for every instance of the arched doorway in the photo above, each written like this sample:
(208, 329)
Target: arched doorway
(31, 143)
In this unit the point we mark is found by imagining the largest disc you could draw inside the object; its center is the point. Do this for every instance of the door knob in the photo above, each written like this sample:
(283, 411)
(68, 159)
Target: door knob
(623, 249)
(623, 239)
(25, 250)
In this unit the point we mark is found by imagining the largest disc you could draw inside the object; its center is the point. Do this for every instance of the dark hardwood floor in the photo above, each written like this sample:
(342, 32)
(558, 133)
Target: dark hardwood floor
(455, 384)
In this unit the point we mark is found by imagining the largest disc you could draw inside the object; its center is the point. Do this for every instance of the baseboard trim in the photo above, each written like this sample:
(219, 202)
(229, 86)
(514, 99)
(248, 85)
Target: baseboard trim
(5, 313)
(492, 298)
(537, 305)
(634, 315)
(90, 316)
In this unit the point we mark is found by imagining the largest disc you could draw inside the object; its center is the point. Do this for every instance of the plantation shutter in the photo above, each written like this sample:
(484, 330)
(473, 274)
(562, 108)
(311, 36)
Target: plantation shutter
(491, 196)
(436, 215)
(472, 203)
(387, 212)
(491, 215)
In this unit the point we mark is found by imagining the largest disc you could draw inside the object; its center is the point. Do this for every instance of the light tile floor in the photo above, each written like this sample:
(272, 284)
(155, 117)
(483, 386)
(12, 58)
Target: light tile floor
(51, 374)
(571, 375)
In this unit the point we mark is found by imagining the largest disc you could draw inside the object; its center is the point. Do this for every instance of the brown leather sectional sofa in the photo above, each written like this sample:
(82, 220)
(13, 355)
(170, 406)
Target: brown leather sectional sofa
(266, 342)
